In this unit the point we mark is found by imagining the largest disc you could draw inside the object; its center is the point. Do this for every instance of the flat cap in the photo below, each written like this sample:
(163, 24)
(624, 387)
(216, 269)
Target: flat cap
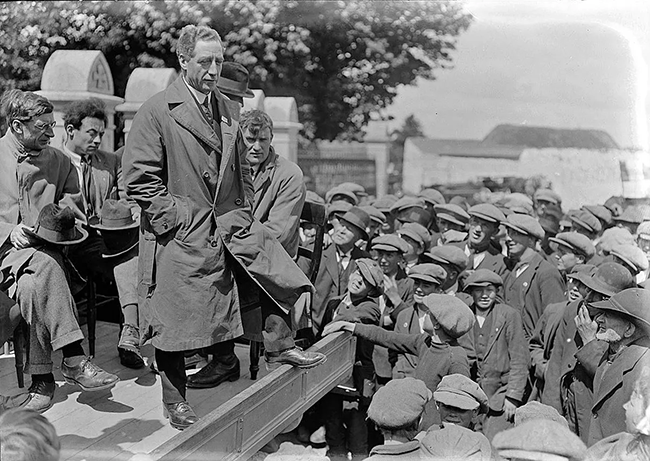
(631, 214)
(644, 230)
(459, 391)
(487, 212)
(536, 410)
(417, 232)
(633, 303)
(547, 195)
(385, 203)
(452, 213)
(518, 196)
(482, 278)
(390, 242)
(460, 201)
(615, 236)
(338, 206)
(359, 219)
(448, 254)
(374, 213)
(576, 243)
(539, 437)
(632, 256)
(399, 403)
(608, 279)
(371, 273)
(406, 202)
(601, 212)
(585, 220)
(432, 196)
(453, 315)
(428, 272)
(587, 269)
(517, 206)
(414, 214)
(525, 224)
(453, 442)
(356, 189)
(331, 195)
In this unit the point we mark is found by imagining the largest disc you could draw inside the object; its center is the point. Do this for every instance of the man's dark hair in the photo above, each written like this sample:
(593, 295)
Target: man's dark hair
(23, 106)
(85, 108)
(191, 34)
(256, 120)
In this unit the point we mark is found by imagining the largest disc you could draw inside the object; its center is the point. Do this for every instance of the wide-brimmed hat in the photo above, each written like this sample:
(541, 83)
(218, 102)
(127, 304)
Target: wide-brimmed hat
(114, 216)
(234, 80)
(58, 225)
(609, 279)
(631, 303)
(359, 219)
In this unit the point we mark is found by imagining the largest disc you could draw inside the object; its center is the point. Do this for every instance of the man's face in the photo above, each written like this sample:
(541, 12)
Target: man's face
(203, 68)
(484, 297)
(357, 285)
(388, 261)
(541, 206)
(445, 225)
(345, 234)
(480, 232)
(516, 243)
(86, 139)
(423, 288)
(457, 416)
(36, 133)
(415, 248)
(259, 144)
(576, 289)
(567, 259)
(611, 328)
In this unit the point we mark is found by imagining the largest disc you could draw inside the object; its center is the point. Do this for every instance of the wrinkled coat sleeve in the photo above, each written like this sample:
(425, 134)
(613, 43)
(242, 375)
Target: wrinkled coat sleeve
(519, 357)
(590, 354)
(459, 362)
(400, 342)
(144, 170)
(552, 394)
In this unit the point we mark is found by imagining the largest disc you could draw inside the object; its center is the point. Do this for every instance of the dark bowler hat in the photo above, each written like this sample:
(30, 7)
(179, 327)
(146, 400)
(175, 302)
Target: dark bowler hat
(525, 224)
(609, 279)
(487, 212)
(452, 213)
(483, 278)
(390, 242)
(633, 303)
(114, 216)
(358, 218)
(575, 242)
(57, 225)
(233, 80)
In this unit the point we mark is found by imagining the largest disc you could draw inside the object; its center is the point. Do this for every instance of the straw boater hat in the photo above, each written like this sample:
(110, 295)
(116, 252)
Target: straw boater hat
(57, 225)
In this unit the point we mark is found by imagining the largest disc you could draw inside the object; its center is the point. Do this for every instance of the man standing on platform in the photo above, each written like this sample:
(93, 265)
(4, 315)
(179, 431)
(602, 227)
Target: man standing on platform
(185, 164)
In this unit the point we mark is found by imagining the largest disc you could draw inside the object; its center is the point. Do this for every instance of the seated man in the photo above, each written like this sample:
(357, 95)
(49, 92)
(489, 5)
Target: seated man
(33, 178)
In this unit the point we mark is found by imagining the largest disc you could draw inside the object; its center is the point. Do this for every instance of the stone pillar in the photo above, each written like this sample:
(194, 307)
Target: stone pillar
(143, 83)
(377, 141)
(256, 102)
(284, 113)
(72, 75)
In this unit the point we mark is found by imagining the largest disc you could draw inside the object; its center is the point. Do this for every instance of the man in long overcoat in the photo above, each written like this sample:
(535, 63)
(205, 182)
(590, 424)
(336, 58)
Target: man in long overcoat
(185, 165)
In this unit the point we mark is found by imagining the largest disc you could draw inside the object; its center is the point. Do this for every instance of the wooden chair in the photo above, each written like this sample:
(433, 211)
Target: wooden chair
(313, 213)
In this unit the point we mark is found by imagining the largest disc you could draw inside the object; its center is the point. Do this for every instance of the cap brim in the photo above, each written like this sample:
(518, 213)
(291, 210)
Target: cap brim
(609, 307)
(114, 255)
(484, 217)
(385, 247)
(80, 235)
(561, 242)
(456, 400)
(364, 234)
(451, 219)
(426, 278)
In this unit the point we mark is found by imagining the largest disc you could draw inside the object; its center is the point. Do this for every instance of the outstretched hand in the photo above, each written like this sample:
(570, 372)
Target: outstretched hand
(339, 325)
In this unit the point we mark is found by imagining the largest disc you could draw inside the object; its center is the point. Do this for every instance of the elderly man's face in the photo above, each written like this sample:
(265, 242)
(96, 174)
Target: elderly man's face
(203, 68)
(36, 133)
(611, 328)
(259, 144)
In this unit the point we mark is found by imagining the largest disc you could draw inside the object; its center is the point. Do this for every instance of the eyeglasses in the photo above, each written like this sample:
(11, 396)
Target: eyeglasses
(44, 126)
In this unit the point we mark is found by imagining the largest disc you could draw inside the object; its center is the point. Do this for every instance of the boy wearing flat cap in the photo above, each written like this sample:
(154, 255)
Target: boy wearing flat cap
(571, 248)
(357, 305)
(501, 351)
(453, 260)
(426, 279)
(448, 319)
(532, 282)
(460, 401)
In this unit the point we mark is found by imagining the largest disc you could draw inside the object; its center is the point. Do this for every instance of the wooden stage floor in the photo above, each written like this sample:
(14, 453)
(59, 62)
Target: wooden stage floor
(123, 421)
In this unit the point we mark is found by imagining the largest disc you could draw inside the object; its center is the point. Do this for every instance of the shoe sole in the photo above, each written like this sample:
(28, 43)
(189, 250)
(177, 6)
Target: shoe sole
(38, 410)
(90, 389)
(270, 366)
(180, 427)
(193, 385)
(133, 365)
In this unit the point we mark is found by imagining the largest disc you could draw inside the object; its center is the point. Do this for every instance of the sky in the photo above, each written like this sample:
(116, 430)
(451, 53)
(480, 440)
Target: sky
(555, 63)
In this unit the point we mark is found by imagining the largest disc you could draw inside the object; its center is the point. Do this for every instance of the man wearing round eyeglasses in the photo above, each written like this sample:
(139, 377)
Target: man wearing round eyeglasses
(32, 176)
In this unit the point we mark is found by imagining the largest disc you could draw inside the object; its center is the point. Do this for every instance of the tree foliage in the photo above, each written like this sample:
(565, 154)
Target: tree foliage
(342, 61)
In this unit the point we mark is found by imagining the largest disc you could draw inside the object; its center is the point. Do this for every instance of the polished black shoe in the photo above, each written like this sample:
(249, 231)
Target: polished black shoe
(128, 348)
(180, 415)
(295, 357)
(213, 374)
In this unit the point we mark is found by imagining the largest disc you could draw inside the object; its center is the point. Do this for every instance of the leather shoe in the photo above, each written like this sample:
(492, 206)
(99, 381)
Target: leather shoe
(16, 401)
(41, 395)
(295, 357)
(88, 376)
(180, 415)
(128, 347)
(213, 374)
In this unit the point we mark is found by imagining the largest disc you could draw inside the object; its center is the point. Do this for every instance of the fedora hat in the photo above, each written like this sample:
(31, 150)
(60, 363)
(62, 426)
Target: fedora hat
(114, 216)
(57, 225)
(233, 80)
(359, 219)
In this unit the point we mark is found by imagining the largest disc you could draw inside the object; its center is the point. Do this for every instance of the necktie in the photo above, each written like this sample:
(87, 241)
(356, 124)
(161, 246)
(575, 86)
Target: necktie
(207, 110)
(87, 184)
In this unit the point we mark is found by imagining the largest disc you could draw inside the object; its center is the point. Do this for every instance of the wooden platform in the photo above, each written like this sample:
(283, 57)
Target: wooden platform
(115, 424)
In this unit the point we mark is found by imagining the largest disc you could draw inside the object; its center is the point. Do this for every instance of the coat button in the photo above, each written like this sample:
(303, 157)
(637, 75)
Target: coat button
(206, 175)
(165, 225)
(214, 243)
(238, 201)
(232, 167)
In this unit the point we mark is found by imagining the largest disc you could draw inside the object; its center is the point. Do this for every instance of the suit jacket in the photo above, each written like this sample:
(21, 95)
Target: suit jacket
(541, 343)
(502, 371)
(538, 286)
(330, 282)
(193, 184)
(613, 385)
(279, 196)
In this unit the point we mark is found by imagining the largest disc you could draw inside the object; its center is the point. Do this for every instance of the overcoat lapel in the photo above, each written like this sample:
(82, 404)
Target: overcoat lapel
(498, 326)
(332, 265)
(229, 127)
(613, 376)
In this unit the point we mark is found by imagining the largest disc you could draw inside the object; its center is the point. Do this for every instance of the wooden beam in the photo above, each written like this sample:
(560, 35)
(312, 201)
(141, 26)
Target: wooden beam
(241, 426)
